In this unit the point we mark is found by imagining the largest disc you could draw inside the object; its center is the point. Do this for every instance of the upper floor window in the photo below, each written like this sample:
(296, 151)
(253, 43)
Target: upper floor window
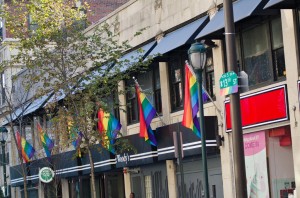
(262, 54)
(176, 71)
(2, 89)
(149, 82)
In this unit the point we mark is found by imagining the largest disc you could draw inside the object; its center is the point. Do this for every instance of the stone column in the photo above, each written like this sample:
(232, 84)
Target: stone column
(165, 92)
(291, 54)
(122, 100)
(65, 188)
(127, 183)
(172, 179)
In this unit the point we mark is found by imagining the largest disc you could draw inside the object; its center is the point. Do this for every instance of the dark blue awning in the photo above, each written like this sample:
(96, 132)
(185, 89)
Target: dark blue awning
(283, 4)
(36, 104)
(191, 143)
(133, 57)
(241, 10)
(272, 3)
(179, 37)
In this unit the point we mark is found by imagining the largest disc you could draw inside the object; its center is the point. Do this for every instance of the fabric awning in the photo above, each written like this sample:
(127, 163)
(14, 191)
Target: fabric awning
(241, 10)
(179, 37)
(282, 4)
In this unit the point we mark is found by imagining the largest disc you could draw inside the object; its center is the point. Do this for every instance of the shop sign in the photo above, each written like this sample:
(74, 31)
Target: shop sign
(260, 108)
(125, 158)
(46, 175)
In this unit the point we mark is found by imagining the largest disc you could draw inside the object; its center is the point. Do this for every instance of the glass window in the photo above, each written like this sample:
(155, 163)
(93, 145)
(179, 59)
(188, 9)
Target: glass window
(148, 186)
(132, 108)
(256, 55)
(157, 90)
(149, 82)
(176, 65)
(262, 53)
(209, 76)
(2, 88)
(277, 48)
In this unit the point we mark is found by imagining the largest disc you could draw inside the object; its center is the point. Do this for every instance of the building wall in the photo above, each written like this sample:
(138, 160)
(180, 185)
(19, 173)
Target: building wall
(157, 16)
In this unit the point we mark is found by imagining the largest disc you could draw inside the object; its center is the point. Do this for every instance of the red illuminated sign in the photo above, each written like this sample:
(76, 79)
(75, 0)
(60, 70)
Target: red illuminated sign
(263, 107)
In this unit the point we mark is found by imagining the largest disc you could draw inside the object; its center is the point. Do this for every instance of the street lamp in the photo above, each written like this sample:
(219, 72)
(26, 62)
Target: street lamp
(3, 138)
(197, 56)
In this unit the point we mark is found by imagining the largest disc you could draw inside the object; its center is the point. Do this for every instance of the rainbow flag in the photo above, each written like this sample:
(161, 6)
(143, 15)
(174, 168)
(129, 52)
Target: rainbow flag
(147, 113)
(204, 95)
(77, 141)
(191, 103)
(46, 141)
(27, 150)
(109, 126)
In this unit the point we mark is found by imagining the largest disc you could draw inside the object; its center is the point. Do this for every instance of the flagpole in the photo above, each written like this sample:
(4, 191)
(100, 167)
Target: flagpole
(159, 117)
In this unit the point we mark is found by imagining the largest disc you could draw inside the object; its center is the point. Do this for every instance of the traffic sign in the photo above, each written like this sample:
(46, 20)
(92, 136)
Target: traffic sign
(228, 83)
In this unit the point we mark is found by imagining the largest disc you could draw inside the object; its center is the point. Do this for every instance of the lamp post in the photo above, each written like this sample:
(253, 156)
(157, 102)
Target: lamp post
(235, 109)
(197, 56)
(3, 138)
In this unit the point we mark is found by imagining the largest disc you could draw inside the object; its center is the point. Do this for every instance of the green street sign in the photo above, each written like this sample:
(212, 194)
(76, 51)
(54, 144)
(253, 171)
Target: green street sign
(46, 175)
(228, 83)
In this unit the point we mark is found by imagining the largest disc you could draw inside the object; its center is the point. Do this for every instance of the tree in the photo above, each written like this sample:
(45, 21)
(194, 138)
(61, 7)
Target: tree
(61, 58)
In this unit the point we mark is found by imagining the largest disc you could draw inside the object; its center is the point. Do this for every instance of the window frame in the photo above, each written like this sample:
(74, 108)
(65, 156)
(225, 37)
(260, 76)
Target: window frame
(267, 21)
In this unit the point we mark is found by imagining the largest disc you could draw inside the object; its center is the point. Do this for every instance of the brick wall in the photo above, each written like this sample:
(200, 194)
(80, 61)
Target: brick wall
(101, 8)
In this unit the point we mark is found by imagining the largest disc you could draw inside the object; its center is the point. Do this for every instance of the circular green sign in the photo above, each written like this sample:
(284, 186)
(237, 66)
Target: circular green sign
(46, 175)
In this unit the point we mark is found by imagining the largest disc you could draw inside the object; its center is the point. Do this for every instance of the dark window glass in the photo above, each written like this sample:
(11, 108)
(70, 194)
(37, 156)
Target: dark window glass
(132, 108)
(263, 53)
(149, 82)
(256, 55)
(209, 83)
(277, 48)
(2, 88)
(176, 66)
(157, 90)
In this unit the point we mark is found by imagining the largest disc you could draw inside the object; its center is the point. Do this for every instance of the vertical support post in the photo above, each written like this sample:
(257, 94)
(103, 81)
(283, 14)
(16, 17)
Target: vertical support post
(235, 109)
(4, 168)
(203, 133)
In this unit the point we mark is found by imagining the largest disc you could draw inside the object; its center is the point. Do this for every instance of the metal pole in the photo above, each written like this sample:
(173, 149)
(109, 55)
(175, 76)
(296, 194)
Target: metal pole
(235, 109)
(4, 167)
(203, 133)
(179, 161)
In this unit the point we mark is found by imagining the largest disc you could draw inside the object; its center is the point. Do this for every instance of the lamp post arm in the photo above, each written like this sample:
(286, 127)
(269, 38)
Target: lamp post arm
(203, 133)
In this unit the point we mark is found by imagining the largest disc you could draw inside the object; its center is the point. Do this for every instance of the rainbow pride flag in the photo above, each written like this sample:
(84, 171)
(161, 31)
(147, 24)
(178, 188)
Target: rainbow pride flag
(46, 141)
(191, 102)
(109, 126)
(77, 141)
(147, 113)
(27, 151)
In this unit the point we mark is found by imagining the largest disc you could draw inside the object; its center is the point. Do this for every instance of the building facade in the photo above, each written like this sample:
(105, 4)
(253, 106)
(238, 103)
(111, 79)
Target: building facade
(267, 42)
